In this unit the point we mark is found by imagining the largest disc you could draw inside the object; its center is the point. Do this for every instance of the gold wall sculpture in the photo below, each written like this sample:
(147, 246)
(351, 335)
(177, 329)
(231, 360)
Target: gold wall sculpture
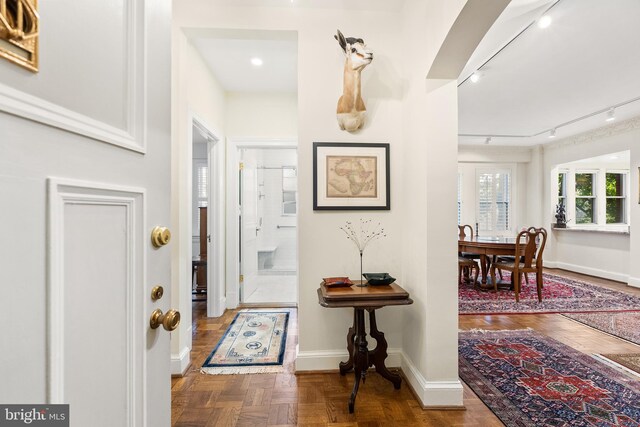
(19, 25)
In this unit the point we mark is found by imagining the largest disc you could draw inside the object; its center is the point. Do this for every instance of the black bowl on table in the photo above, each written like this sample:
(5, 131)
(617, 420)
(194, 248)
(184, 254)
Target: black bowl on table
(378, 279)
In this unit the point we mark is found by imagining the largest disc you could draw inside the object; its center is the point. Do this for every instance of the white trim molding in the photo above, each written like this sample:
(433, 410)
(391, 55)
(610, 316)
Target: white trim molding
(432, 393)
(61, 194)
(181, 361)
(633, 281)
(596, 134)
(132, 137)
(605, 274)
(325, 360)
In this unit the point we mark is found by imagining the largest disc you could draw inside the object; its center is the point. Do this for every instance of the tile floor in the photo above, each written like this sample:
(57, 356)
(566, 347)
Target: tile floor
(274, 289)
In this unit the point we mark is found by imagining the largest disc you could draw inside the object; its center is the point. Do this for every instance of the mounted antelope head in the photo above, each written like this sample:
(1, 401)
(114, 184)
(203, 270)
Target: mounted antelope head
(351, 110)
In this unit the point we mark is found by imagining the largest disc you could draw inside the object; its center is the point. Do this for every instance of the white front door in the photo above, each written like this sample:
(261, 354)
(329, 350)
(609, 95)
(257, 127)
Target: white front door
(250, 224)
(84, 177)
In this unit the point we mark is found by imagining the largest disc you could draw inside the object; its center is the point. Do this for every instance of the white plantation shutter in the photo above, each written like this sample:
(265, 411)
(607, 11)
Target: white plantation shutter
(494, 198)
(200, 180)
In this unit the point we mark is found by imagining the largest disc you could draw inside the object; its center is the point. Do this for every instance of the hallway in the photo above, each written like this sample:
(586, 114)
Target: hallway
(318, 399)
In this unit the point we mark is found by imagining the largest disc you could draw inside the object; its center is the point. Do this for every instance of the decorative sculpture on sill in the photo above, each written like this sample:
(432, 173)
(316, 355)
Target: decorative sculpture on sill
(19, 24)
(351, 110)
(561, 218)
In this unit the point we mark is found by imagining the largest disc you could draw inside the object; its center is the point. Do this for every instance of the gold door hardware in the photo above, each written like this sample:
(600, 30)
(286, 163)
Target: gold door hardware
(169, 321)
(241, 278)
(157, 292)
(160, 236)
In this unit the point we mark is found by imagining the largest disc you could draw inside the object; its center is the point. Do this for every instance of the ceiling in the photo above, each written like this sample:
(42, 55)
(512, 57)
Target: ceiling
(532, 80)
(585, 62)
(228, 55)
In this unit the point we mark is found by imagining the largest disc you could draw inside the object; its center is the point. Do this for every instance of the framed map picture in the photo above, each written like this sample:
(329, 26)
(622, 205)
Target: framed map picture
(350, 176)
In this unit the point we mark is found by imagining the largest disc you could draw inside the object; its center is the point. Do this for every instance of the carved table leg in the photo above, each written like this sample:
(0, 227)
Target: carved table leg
(379, 354)
(360, 356)
(348, 365)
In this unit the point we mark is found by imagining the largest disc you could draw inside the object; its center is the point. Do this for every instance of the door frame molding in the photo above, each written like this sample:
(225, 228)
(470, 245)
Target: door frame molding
(215, 223)
(233, 207)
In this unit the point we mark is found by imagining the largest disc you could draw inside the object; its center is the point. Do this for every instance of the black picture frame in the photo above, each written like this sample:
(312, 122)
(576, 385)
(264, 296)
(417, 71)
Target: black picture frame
(334, 190)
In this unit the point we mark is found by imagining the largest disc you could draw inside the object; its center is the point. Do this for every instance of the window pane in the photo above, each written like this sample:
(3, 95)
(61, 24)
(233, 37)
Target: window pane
(584, 184)
(561, 181)
(494, 195)
(614, 184)
(615, 211)
(584, 211)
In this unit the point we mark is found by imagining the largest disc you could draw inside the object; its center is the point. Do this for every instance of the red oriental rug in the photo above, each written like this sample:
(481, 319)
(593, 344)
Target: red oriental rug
(528, 380)
(559, 295)
(625, 325)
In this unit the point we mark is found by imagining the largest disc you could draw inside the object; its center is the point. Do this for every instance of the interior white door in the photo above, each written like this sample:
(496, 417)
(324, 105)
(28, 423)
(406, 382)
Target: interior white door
(84, 177)
(250, 225)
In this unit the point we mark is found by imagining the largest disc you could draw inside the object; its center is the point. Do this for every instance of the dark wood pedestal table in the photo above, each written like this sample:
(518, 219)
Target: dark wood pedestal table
(361, 299)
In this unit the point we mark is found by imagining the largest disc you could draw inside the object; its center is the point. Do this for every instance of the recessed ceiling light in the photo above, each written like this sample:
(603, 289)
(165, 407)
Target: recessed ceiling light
(544, 22)
(256, 62)
(474, 77)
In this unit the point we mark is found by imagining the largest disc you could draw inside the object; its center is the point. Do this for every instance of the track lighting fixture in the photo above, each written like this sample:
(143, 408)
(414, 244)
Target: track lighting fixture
(611, 115)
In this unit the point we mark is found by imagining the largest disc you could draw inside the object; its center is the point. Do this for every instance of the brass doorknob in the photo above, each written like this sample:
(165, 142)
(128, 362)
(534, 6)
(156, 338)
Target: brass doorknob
(169, 321)
(160, 236)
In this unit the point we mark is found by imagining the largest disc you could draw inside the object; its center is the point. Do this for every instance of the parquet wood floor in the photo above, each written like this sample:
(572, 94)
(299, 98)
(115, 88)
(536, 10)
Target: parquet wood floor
(320, 399)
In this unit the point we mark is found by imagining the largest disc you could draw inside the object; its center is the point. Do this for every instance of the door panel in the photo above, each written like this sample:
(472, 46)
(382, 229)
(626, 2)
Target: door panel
(78, 264)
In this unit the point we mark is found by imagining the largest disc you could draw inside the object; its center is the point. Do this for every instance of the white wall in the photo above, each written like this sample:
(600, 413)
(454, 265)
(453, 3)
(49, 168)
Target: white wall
(420, 124)
(596, 253)
(195, 92)
(261, 115)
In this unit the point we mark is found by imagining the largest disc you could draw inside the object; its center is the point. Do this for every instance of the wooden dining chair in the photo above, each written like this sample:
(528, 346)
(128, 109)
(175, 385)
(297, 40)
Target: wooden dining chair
(529, 248)
(511, 258)
(470, 265)
(463, 266)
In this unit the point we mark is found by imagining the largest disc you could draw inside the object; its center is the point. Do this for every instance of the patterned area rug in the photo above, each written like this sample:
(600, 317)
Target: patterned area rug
(625, 325)
(528, 379)
(254, 343)
(628, 360)
(559, 295)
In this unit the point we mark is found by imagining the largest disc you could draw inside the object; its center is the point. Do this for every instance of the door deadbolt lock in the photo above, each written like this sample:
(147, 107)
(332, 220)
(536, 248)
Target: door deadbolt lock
(160, 236)
(157, 292)
(169, 321)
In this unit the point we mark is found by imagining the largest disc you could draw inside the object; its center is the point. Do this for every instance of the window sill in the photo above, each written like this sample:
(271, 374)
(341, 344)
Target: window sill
(610, 229)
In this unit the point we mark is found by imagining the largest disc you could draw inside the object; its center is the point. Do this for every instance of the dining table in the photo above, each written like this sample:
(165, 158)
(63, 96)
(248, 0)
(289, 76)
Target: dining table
(488, 248)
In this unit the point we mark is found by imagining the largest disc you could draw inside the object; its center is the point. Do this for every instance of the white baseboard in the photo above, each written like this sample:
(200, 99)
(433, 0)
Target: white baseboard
(326, 360)
(605, 274)
(180, 362)
(431, 393)
(633, 281)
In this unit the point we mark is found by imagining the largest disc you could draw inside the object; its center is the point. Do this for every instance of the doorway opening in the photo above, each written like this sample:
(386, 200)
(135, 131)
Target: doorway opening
(267, 195)
(206, 216)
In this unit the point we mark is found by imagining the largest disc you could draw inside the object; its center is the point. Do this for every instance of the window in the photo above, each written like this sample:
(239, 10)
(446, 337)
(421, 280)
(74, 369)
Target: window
(562, 189)
(494, 197)
(616, 201)
(289, 190)
(201, 171)
(585, 198)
